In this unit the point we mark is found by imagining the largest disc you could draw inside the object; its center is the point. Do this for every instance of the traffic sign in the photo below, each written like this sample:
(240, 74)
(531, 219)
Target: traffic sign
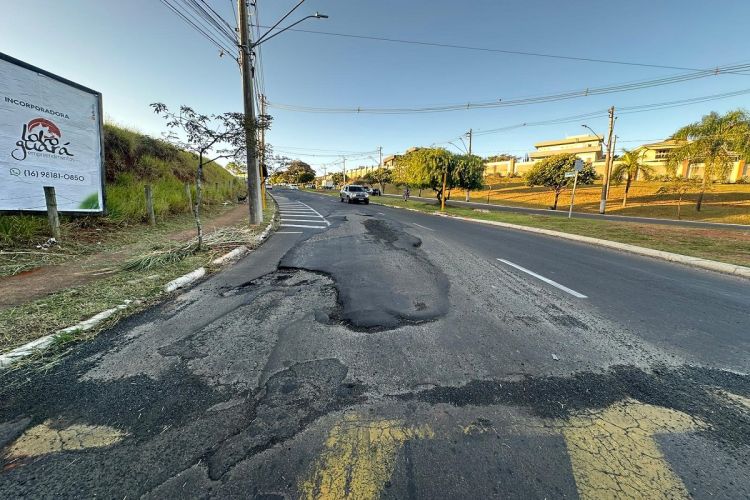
(570, 174)
(578, 165)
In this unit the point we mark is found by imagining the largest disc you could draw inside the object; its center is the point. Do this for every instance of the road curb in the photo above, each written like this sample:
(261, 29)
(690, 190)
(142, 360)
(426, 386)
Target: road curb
(42, 343)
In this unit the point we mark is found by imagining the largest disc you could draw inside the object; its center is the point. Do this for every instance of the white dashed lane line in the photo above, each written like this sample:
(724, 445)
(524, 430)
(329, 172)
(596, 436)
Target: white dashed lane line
(546, 280)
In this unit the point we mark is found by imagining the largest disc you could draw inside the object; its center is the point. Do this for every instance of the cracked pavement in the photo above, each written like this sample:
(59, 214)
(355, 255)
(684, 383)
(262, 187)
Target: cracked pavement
(379, 359)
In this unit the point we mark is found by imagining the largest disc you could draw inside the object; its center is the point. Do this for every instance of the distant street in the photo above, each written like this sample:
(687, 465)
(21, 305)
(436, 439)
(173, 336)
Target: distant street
(371, 352)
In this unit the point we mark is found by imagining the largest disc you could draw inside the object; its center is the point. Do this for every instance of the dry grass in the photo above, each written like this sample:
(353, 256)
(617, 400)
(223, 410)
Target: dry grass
(728, 203)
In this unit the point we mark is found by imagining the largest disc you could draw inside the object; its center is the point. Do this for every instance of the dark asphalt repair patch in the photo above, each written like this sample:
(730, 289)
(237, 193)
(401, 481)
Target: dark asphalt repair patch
(691, 390)
(383, 278)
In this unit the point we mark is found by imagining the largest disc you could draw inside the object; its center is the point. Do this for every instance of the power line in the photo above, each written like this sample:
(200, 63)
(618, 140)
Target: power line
(492, 50)
(500, 103)
(201, 28)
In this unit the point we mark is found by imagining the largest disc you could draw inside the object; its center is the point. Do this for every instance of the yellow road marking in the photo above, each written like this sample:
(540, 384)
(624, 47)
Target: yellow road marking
(614, 454)
(359, 458)
(735, 398)
(43, 439)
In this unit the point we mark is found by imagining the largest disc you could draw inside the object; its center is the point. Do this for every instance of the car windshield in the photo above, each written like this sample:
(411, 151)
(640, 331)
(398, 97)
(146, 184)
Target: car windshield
(355, 188)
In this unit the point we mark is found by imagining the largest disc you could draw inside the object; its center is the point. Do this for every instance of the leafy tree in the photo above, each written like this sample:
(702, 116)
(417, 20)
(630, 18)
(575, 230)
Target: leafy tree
(679, 186)
(300, 172)
(236, 169)
(468, 172)
(380, 176)
(411, 170)
(500, 157)
(337, 178)
(550, 173)
(628, 168)
(211, 137)
(715, 141)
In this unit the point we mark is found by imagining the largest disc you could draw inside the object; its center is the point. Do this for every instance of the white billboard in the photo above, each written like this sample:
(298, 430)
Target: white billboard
(50, 135)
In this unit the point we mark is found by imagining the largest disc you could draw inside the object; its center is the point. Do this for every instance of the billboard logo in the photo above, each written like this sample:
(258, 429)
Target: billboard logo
(40, 137)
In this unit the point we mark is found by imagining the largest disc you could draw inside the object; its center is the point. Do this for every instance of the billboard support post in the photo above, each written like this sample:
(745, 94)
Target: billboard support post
(54, 220)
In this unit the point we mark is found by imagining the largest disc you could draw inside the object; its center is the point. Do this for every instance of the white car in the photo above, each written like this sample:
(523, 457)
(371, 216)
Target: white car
(293, 186)
(354, 193)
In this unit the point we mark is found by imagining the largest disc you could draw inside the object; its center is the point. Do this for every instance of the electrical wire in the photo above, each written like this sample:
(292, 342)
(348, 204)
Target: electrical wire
(492, 50)
(499, 103)
(217, 38)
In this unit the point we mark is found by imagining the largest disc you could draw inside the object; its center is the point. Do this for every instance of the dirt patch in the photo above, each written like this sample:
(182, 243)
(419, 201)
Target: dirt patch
(42, 281)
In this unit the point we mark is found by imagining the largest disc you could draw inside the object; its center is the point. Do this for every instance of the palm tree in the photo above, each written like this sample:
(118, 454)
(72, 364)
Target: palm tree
(628, 168)
(716, 141)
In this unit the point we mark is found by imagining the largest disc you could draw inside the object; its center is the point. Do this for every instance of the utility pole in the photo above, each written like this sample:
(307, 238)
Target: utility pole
(380, 150)
(605, 183)
(262, 161)
(254, 203)
(470, 136)
(343, 159)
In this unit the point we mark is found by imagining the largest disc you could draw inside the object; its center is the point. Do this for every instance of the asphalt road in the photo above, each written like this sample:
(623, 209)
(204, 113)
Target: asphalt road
(562, 211)
(370, 352)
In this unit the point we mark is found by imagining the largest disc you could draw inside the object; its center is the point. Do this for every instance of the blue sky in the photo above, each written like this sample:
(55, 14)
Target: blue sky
(138, 52)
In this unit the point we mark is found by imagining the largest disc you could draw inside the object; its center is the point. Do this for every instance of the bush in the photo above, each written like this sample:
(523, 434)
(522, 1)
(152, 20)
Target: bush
(743, 180)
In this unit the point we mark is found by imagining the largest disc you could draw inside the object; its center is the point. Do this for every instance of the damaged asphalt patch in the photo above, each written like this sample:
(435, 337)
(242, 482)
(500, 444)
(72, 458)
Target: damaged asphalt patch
(383, 278)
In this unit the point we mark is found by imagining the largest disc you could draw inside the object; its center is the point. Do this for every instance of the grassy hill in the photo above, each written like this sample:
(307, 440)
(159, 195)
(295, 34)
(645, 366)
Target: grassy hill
(132, 160)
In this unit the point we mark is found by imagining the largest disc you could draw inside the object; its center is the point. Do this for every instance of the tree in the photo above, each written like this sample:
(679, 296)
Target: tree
(337, 178)
(236, 169)
(550, 173)
(716, 141)
(500, 157)
(468, 172)
(381, 176)
(628, 168)
(208, 136)
(300, 172)
(411, 170)
(679, 186)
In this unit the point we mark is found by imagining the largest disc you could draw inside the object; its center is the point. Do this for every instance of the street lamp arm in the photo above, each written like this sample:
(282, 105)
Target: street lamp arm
(277, 23)
(264, 38)
(592, 131)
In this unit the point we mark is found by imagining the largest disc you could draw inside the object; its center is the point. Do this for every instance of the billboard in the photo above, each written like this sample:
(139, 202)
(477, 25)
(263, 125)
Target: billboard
(50, 135)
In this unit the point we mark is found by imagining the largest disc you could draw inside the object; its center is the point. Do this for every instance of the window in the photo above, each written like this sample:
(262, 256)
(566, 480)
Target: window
(355, 189)
(662, 154)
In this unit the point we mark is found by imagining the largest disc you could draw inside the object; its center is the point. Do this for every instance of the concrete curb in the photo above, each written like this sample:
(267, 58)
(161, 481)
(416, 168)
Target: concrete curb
(42, 343)
(711, 265)
(185, 280)
(235, 254)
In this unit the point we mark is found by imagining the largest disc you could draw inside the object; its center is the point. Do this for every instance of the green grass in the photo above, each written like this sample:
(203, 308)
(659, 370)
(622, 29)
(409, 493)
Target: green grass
(715, 244)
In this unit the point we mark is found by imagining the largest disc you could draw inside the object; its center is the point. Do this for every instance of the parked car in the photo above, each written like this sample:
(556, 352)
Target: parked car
(293, 186)
(375, 191)
(354, 194)
(269, 186)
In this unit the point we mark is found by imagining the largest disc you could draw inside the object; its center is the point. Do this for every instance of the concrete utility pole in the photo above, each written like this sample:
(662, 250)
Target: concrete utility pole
(254, 202)
(262, 161)
(471, 133)
(343, 159)
(605, 183)
(380, 151)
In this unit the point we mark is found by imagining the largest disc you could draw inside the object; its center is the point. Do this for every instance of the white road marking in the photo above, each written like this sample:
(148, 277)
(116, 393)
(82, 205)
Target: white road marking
(546, 280)
(284, 219)
(284, 214)
(302, 225)
(423, 227)
(381, 213)
(324, 219)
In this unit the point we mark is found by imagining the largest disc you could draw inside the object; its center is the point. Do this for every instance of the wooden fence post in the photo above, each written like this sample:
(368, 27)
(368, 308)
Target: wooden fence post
(150, 205)
(189, 194)
(54, 221)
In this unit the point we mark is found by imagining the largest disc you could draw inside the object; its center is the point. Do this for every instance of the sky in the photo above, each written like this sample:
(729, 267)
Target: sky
(138, 52)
